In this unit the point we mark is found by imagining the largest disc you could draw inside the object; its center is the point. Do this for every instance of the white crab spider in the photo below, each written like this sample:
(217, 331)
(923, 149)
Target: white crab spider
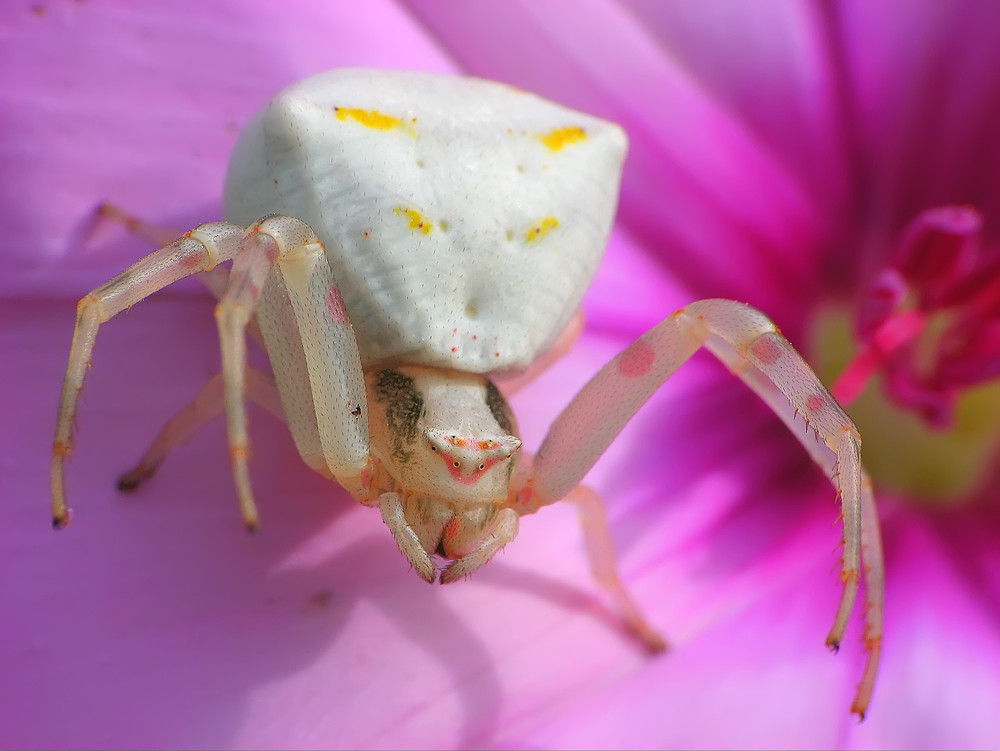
(419, 233)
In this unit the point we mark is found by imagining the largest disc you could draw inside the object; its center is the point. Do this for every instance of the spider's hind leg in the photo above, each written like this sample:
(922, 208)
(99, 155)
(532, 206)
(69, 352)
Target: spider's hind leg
(205, 407)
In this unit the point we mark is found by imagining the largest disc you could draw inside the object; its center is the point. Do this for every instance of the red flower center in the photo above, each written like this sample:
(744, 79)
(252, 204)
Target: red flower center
(930, 321)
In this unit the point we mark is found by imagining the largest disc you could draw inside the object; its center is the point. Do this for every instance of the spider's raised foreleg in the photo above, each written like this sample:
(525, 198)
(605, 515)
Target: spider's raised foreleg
(750, 344)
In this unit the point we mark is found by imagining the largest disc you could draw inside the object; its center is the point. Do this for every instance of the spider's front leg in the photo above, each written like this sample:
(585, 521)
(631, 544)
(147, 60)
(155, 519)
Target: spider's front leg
(286, 281)
(280, 275)
(201, 249)
(751, 346)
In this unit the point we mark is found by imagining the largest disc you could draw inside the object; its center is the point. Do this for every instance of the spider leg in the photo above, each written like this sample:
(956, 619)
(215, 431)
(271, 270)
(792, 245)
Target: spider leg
(604, 565)
(391, 506)
(282, 276)
(215, 279)
(154, 234)
(199, 250)
(750, 344)
(205, 407)
(598, 545)
(870, 540)
(874, 573)
(501, 531)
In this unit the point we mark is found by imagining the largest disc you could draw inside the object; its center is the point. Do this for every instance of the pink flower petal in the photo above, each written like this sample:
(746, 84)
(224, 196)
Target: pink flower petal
(141, 107)
(939, 687)
(154, 620)
(775, 66)
(926, 110)
(761, 636)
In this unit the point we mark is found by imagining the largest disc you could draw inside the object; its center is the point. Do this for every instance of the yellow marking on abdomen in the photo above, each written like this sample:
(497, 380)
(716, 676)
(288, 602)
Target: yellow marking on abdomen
(417, 220)
(556, 139)
(369, 118)
(541, 228)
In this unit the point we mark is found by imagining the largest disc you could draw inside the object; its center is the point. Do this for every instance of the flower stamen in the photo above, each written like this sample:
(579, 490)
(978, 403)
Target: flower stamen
(930, 321)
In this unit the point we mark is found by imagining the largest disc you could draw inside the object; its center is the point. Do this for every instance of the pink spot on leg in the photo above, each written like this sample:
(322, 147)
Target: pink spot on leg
(271, 250)
(766, 350)
(815, 403)
(335, 307)
(636, 361)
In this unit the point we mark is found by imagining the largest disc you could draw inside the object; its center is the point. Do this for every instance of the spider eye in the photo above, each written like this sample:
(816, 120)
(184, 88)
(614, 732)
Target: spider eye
(456, 465)
(482, 466)
(433, 447)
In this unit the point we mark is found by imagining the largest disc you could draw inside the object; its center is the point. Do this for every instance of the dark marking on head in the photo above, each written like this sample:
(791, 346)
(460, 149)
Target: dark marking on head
(404, 405)
(499, 408)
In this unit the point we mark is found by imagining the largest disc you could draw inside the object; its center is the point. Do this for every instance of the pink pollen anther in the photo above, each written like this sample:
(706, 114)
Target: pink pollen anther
(895, 331)
(929, 322)
(856, 375)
